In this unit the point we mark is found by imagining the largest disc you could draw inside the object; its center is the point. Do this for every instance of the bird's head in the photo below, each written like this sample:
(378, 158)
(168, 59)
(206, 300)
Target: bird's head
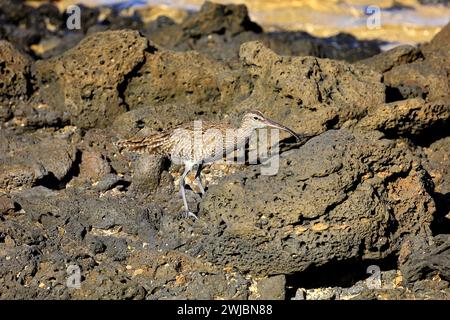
(256, 120)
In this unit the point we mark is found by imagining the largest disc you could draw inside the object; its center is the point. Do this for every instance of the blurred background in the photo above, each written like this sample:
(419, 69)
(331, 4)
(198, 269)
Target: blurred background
(401, 21)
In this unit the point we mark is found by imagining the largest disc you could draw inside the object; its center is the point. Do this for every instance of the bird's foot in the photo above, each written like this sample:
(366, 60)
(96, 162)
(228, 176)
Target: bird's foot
(188, 214)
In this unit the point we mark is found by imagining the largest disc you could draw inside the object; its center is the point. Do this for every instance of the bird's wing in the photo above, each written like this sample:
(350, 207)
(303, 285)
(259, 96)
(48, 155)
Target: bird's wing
(152, 144)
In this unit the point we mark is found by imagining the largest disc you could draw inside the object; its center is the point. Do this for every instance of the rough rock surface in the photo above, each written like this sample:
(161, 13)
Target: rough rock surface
(370, 188)
(333, 199)
(397, 56)
(14, 71)
(94, 165)
(438, 164)
(217, 18)
(418, 79)
(420, 259)
(219, 30)
(435, 159)
(308, 94)
(6, 204)
(427, 78)
(110, 241)
(272, 288)
(417, 90)
(184, 77)
(87, 81)
(390, 288)
(26, 160)
(412, 118)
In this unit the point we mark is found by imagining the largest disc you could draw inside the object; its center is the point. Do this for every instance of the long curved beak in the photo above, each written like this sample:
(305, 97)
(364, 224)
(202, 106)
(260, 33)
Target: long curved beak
(274, 124)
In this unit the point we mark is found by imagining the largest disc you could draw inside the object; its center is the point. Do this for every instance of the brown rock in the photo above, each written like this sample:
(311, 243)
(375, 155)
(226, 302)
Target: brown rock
(272, 288)
(29, 158)
(438, 164)
(385, 61)
(6, 204)
(94, 165)
(440, 43)
(424, 79)
(365, 193)
(308, 94)
(86, 81)
(425, 257)
(14, 71)
(182, 77)
(428, 78)
(411, 117)
(219, 18)
(147, 172)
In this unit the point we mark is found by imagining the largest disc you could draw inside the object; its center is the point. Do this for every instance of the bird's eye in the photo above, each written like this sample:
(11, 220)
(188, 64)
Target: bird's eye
(255, 118)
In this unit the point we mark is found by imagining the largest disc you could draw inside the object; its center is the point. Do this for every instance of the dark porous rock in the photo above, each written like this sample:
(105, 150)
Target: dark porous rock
(86, 210)
(156, 118)
(390, 287)
(152, 275)
(33, 159)
(308, 94)
(34, 114)
(422, 258)
(435, 159)
(437, 164)
(116, 249)
(225, 21)
(427, 78)
(147, 172)
(88, 81)
(102, 143)
(272, 288)
(111, 18)
(14, 72)
(342, 46)
(52, 13)
(14, 10)
(107, 182)
(439, 45)
(94, 165)
(217, 285)
(340, 196)
(397, 56)
(110, 286)
(97, 245)
(218, 30)
(5, 111)
(412, 118)
(218, 18)
(422, 79)
(183, 77)
(6, 204)
(112, 240)
(345, 46)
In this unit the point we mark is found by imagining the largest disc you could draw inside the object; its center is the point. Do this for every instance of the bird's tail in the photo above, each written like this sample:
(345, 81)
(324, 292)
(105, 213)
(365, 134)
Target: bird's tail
(153, 144)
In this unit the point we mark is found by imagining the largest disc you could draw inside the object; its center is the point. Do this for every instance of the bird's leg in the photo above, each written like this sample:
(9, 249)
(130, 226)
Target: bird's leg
(198, 180)
(186, 213)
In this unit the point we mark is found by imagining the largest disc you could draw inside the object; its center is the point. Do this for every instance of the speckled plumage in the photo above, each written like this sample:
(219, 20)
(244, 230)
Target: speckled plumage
(197, 143)
(180, 143)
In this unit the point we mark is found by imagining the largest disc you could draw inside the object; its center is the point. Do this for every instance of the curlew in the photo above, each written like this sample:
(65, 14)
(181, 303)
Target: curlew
(195, 147)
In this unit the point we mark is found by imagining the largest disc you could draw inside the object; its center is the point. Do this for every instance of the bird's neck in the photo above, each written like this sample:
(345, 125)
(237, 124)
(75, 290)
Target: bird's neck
(244, 133)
